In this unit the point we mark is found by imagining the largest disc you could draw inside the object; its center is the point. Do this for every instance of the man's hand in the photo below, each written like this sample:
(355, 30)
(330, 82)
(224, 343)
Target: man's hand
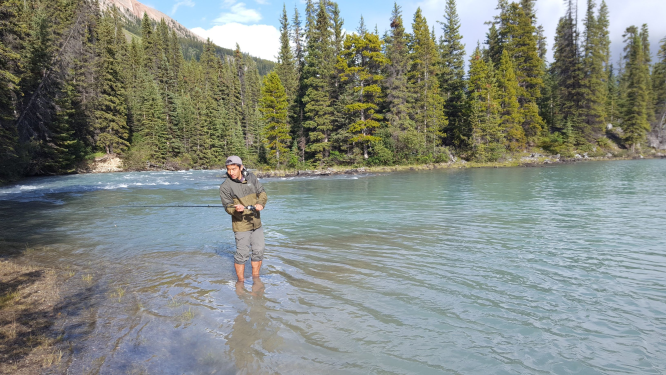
(240, 208)
(258, 207)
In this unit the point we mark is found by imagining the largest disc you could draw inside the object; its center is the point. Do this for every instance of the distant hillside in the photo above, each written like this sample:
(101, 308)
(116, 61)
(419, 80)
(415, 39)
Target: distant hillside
(191, 43)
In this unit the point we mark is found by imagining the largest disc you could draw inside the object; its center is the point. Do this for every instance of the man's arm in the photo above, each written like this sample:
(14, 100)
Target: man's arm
(228, 202)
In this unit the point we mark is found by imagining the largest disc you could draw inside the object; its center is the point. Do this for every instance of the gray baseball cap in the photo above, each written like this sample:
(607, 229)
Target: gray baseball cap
(233, 159)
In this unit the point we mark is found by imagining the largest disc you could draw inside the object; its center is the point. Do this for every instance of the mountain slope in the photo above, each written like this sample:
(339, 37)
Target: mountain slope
(191, 43)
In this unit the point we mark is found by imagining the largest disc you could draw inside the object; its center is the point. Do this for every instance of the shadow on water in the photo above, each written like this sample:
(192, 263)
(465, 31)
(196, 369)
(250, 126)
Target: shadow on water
(27, 224)
(37, 323)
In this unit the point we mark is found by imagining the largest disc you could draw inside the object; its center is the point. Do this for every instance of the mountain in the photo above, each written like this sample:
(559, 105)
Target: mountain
(133, 9)
(191, 43)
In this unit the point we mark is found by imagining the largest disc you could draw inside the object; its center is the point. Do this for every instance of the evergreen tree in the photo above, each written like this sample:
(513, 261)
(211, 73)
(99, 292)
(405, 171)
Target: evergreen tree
(427, 106)
(494, 50)
(519, 38)
(317, 71)
(11, 31)
(484, 110)
(111, 113)
(63, 149)
(360, 64)
(593, 87)
(635, 123)
(567, 69)
(452, 76)
(297, 130)
(397, 87)
(613, 98)
(509, 109)
(273, 106)
(659, 86)
(286, 68)
(647, 56)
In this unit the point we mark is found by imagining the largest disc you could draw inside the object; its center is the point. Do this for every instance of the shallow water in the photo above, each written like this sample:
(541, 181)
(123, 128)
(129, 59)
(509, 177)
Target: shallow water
(488, 271)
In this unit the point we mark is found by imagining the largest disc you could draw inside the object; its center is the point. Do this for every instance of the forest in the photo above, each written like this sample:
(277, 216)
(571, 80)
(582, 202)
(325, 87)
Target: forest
(78, 82)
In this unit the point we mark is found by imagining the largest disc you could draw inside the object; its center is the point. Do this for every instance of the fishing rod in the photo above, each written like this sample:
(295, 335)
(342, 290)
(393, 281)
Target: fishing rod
(167, 206)
(251, 208)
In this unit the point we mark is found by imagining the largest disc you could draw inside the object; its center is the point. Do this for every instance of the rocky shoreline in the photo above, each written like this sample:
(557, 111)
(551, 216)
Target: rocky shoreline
(113, 163)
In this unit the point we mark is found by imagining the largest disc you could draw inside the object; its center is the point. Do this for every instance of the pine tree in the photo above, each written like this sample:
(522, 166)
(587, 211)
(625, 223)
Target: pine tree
(397, 87)
(635, 123)
(111, 113)
(647, 55)
(317, 71)
(659, 88)
(273, 106)
(484, 110)
(297, 130)
(494, 50)
(509, 111)
(427, 107)
(153, 129)
(149, 43)
(613, 98)
(360, 64)
(593, 87)
(452, 76)
(286, 67)
(567, 69)
(63, 149)
(519, 38)
(10, 32)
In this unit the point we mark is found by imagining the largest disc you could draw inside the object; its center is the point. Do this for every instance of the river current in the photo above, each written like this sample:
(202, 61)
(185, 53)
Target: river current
(558, 270)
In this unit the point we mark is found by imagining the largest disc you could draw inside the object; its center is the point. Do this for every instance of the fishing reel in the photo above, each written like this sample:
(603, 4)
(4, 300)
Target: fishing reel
(251, 208)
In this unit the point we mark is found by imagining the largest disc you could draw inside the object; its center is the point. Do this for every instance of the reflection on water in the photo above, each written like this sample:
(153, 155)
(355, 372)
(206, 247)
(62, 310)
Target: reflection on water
(253, 336)
(489, 271)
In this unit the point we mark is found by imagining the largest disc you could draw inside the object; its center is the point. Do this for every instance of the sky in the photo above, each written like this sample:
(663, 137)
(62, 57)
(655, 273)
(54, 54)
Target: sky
(254, 24)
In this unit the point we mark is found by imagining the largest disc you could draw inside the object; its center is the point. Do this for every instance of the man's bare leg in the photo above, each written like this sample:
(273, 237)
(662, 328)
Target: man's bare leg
(240, 271)
(256, 267)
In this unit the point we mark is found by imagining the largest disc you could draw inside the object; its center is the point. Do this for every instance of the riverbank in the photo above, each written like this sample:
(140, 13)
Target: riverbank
(531, 160)
(113, 163)
(29, 296)
(40, 310)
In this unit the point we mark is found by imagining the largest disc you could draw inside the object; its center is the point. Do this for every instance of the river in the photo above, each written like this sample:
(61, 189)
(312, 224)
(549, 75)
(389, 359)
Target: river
(555, 270)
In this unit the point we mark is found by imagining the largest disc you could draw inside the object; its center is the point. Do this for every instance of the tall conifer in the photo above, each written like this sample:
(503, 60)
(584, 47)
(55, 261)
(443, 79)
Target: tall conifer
(452, 75)
(509, 109)
(273, 106)
(397, 86)
(635, 124)
(427, 110)
(111, 114)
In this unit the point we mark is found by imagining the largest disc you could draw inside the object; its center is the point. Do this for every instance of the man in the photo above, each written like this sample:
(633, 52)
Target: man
(243, 197)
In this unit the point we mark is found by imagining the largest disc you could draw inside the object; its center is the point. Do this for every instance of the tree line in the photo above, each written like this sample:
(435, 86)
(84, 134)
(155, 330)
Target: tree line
(76, 81)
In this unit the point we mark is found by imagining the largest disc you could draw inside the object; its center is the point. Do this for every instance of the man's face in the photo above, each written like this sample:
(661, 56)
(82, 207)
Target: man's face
(234, 171)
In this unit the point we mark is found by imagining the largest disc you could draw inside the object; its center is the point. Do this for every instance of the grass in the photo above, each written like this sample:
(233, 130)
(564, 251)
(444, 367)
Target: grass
(119, 293)
(87, 278)
(53, 358)
(175, 302)
(187, 315)
(8, 298)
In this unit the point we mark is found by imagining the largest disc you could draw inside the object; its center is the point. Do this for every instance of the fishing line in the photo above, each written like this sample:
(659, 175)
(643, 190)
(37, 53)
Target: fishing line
(162, 206)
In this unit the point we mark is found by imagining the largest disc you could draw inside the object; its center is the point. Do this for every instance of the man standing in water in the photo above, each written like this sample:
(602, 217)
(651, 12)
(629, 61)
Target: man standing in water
(244, 197)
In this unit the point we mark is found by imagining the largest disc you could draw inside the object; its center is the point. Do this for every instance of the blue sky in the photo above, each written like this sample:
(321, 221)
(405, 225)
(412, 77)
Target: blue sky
(254, 24)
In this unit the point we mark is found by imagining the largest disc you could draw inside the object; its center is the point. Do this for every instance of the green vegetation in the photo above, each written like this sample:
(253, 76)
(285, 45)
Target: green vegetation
(77, 82)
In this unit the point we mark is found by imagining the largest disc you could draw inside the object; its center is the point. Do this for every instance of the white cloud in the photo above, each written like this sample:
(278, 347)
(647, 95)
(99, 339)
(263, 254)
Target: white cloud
(258, 40)
(187, 3)
(238, 13)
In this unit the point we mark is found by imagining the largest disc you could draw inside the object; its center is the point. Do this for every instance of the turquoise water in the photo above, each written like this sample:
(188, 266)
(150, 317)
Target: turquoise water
(489, 271)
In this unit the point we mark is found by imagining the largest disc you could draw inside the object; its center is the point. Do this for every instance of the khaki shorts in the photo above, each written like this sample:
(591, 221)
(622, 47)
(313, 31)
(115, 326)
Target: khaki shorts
(251, 239)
